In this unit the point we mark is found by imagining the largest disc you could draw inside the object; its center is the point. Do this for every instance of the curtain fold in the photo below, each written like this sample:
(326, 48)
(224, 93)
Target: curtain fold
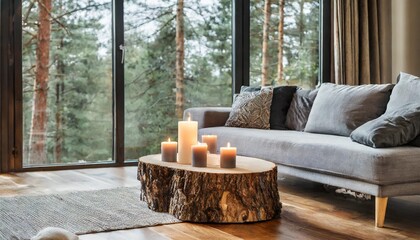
(361, 42)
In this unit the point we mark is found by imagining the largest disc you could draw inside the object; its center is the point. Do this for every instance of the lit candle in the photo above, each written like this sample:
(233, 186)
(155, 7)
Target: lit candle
(228, 157)
(199, 155)
(211, 141)
(168, 150)
(187, 136)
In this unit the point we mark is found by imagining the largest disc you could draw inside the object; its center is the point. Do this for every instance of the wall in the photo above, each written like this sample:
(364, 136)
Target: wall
(405, 37)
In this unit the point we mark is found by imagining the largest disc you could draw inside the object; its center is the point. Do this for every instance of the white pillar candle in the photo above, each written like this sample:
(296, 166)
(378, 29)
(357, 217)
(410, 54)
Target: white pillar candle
(187, 136)
(211, 141)
(199, 155)
(228, 157)
(213, 159)
(168, 150)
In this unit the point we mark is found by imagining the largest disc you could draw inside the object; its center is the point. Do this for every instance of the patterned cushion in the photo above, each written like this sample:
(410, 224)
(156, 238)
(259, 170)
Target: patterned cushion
(251, 110)
(282, 97)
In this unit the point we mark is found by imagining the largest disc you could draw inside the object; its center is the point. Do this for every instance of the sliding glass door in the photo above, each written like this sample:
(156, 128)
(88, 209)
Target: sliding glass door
(178, 55)
(105, 81)
(77, 56)
(67, 82)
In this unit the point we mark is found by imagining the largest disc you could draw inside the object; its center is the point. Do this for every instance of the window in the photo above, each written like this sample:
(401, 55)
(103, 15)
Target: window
(66, 82)
(292, 29)
(151, 66)
(110, 90)
(69, 97)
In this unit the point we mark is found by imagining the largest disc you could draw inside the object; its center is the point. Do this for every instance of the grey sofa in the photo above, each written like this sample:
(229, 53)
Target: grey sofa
(328, 159)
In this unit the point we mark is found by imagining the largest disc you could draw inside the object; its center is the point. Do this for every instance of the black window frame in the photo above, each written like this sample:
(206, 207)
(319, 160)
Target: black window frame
(10, 68)
(11, 138)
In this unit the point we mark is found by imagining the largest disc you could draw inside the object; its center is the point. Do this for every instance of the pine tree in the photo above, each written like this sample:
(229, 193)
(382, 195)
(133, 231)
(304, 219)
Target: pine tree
(180, 101)
(38, 133)
(280, 43)
(73, 111)
(266, 32)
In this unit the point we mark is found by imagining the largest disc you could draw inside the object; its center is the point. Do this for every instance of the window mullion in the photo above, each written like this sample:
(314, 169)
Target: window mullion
(241, 40)
(9, 62)
(118, 80)
(325, 42)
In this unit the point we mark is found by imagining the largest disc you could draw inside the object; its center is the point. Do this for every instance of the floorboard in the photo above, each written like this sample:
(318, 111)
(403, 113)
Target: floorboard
(309, 212)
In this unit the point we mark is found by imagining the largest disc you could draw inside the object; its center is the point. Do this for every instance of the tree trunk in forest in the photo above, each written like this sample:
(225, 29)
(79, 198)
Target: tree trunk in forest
(301, 23)
(59, 93)
(37, 139)
(59, 134)
(280, 43)
(180, 101)
(266, 29)
(59, 90)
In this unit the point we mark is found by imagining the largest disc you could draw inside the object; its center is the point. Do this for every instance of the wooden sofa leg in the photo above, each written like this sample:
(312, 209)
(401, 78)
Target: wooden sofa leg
(380, 210)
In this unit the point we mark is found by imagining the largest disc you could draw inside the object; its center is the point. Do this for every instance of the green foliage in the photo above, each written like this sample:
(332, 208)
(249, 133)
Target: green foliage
(80, 84)
(300, 48)
(150, 68)
(149, 97)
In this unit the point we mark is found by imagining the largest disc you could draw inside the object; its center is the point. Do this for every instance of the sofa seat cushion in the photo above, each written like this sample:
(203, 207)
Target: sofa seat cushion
(328, 154)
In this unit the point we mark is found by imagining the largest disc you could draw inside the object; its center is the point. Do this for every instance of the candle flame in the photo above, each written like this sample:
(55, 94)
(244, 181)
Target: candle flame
(189, 116)
(169, 139)
(228, 145)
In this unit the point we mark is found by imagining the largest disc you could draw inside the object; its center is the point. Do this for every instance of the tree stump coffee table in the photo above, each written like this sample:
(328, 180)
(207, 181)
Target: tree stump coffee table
(247, 193)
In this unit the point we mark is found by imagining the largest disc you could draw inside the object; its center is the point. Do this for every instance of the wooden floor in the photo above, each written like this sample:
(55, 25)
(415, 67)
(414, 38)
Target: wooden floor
(308, 212)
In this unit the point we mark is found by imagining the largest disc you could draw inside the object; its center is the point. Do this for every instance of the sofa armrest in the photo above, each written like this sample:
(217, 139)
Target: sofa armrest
(208, 116)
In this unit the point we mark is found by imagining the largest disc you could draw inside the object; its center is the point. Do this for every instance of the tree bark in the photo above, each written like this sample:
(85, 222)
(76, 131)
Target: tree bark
(199, 196)
(37, 139)
(280, 43)
(180, 101)
(266, 29)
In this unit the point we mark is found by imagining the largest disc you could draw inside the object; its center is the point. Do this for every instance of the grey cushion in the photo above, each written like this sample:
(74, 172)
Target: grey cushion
(208, 116)
(339, 109)
(406, 91)
(251, 110)
(282, 97)
(415, 142)
(328, 154)
(300, 107)
(394, 128)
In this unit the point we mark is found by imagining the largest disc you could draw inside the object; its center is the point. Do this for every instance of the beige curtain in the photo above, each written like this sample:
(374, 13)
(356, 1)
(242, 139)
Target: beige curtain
(361, 41)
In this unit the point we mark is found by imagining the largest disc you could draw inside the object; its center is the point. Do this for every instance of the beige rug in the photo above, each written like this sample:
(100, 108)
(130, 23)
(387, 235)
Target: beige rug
(78, 212)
